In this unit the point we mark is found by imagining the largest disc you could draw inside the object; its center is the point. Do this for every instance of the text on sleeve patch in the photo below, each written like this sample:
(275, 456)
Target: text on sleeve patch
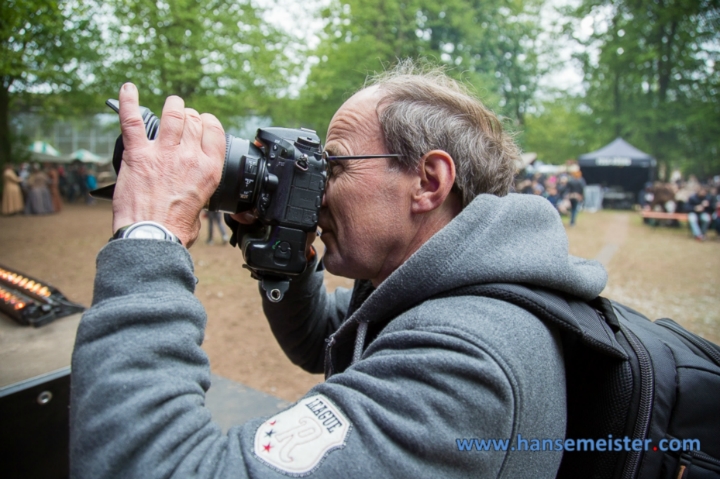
(297, 439)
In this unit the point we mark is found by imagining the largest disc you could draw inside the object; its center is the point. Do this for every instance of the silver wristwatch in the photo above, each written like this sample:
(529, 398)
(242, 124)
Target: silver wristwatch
(145, 230)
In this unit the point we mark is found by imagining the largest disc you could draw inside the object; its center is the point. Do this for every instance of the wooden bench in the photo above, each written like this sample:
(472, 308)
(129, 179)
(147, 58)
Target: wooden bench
(661, 215)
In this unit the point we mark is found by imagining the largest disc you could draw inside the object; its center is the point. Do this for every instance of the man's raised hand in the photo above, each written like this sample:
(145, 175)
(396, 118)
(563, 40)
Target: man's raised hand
(170, 179)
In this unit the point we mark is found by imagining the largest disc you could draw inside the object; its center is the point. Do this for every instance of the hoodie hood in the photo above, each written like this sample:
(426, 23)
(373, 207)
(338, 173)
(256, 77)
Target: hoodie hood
(511, 239)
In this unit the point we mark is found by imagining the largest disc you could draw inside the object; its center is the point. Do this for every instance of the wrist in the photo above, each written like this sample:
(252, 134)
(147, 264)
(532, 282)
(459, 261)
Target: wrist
(181, 218)
(184, 232)
(146, 230)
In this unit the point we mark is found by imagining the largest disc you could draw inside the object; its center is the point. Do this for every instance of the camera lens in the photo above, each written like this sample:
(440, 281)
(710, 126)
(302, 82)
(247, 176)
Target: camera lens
(242, 173)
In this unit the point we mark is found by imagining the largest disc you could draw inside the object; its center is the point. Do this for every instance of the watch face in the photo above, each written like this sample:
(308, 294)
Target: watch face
(146, 232)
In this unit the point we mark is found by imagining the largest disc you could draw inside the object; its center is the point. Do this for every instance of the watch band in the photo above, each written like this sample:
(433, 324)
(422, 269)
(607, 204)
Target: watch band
(145, 230)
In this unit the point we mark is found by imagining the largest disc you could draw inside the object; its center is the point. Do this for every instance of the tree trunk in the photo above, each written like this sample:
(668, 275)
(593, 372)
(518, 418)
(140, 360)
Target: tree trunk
(5, 141)
(617, 105)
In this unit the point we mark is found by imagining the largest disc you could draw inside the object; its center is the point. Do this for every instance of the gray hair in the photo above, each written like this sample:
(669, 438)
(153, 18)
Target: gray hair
(423, 109)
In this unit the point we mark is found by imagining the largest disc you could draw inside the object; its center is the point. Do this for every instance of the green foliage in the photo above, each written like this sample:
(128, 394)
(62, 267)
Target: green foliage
(46, 47)
(650, 66)
(561, 130)
(218, 55)
(655, 81)
(486, 44)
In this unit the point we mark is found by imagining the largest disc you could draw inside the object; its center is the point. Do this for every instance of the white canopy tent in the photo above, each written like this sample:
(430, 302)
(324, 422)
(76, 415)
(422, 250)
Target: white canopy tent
(88, 157)
(44, 152)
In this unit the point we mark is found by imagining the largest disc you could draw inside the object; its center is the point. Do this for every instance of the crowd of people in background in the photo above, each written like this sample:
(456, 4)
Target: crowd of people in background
(700, 201)
(564, 191)
(33, 189)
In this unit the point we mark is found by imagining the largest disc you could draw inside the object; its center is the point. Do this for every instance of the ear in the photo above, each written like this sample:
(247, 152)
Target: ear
(436, 175)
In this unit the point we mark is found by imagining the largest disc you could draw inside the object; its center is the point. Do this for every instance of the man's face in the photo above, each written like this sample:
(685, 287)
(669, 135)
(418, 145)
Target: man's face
(365, 218)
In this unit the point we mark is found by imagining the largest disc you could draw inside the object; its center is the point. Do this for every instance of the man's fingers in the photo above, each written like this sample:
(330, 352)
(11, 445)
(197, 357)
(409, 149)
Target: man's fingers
(213, 136)
(311, 237)
(245, 217)
(131, 123)
(172, 121)
(193, 127)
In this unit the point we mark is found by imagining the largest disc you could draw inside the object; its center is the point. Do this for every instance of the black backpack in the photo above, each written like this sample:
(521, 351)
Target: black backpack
(628, 377)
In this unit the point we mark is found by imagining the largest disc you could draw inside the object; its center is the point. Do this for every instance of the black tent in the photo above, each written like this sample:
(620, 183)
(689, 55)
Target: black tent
(621, 168)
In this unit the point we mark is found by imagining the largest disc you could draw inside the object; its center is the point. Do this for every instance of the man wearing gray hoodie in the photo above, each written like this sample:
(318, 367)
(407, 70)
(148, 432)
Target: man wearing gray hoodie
(414, 372)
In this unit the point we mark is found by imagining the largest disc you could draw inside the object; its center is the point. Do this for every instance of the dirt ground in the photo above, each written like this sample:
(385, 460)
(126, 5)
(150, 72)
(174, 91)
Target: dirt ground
(661, 272)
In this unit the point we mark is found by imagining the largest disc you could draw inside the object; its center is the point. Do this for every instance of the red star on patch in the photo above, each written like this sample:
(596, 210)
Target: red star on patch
(267, 447)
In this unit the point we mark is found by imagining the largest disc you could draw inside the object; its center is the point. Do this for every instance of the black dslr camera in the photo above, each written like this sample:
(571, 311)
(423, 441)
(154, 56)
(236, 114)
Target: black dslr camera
(281, 176)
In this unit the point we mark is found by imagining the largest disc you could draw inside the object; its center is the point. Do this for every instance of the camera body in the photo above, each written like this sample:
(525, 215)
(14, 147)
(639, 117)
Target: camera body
(281, 176)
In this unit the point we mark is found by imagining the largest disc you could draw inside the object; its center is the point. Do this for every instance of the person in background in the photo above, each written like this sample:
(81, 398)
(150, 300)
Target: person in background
(524, 187)
(701, 207)
(75, 182)
(716, 215)
(563, 203)
(575, 193)
(79, 177)
(646, 196)
(551, 194)
(38, 198)
(24, 174)
(12, 199)
(538, 187)
(54, 185)
(62, 181)
(90, 184)
(215, 218)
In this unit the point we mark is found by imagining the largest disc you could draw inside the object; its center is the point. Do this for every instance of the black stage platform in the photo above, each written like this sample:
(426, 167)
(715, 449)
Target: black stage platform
(34, 398)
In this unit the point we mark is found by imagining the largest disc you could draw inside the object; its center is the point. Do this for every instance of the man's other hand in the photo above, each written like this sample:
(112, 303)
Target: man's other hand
(170, 179)
(249, 217)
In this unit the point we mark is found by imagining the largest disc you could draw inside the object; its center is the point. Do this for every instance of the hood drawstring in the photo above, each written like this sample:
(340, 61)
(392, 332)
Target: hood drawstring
(359, 341)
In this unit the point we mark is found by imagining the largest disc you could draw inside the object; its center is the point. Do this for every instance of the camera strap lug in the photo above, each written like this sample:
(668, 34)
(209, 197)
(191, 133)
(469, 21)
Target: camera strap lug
(275, 288)
(302, 163)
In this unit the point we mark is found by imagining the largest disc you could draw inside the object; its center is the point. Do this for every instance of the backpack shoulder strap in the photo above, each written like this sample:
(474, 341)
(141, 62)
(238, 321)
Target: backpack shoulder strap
(591, 323)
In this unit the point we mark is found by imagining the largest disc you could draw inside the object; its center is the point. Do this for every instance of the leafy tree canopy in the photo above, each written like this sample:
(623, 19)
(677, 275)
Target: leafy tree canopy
(649, 66)
(487, 44)
(218, 55)
(46, 46)
(655, 80)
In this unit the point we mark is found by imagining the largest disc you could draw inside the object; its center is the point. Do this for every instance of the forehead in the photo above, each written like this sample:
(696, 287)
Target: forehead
(355, 127)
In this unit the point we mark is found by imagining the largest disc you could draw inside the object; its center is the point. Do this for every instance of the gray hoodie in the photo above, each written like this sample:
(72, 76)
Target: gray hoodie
(428, 375)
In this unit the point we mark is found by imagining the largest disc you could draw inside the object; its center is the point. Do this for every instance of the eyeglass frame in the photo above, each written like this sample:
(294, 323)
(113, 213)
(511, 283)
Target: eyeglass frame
(327, 158)
(358, 157)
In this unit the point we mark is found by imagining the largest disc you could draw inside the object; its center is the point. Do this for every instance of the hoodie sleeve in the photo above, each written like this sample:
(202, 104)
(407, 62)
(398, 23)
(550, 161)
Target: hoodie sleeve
(410, 408)
(306, 317)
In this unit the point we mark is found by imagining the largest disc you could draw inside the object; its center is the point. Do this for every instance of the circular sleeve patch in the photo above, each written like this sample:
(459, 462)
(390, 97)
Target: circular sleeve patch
(297, 439)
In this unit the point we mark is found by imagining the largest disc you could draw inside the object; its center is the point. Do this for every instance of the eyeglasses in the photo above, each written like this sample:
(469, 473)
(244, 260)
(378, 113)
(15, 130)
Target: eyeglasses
(329, 166)
(326, 157)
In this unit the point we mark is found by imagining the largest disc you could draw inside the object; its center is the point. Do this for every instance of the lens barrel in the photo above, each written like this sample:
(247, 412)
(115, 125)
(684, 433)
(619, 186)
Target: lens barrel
(240, 182)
